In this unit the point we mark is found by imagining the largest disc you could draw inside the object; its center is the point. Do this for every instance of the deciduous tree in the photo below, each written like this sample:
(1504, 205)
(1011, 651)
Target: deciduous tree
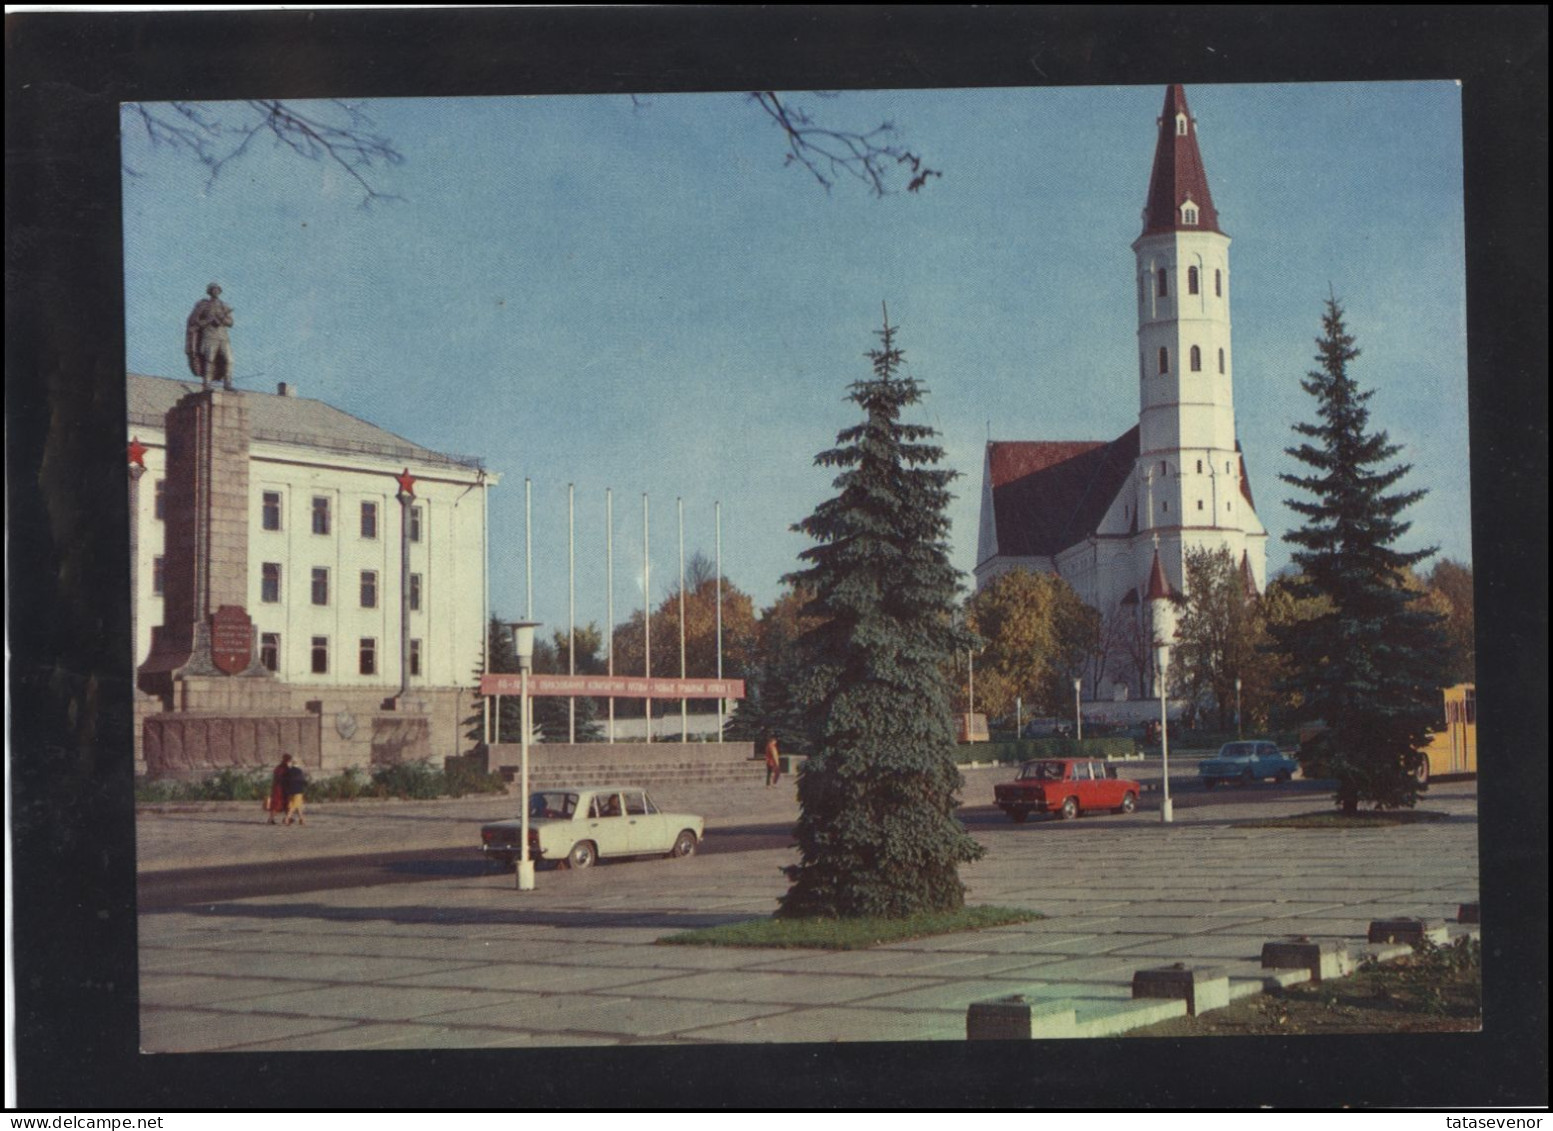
(1037, 634)
(1369, 665)
(877, 833)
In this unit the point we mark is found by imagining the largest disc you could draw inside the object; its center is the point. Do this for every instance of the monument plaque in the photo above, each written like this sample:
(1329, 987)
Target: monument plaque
(231, 639)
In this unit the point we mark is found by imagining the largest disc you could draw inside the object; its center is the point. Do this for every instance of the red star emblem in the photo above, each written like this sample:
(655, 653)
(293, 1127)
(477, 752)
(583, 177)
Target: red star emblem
(137, 452)
(406, 482)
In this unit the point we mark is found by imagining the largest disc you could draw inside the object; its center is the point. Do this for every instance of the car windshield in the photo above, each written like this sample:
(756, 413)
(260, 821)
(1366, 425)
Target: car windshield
(1237, 750)
(1041, 771)
(552, 804)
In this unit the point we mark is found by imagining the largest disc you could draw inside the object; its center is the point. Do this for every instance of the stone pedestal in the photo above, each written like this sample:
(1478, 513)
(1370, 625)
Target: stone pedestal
(1201, 987)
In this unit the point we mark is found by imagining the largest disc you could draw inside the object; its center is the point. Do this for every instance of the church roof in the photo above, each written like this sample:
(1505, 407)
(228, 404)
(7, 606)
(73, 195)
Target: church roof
(290, 419)
(1049, 495)
(1159, 584)
(1178, 174)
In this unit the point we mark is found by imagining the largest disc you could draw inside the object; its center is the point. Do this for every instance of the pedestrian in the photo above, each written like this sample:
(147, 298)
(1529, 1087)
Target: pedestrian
(773, 761)
(294, 786)
(275, 803)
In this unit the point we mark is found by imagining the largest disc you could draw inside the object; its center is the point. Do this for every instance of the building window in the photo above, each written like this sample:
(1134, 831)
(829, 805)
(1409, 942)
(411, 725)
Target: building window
(320, 655)
(269, 650)
(1221, 359)
(1162, 283)
(369, 520)
(415, 524)
(1180, 125)
(320, 586)
(270, 510)
(1191, 278)
(1218, 283)
(1164, 468)
(1199, 504)
(320, 514)
(1164, 360)
(1196, 360)
(368, 656)
(1189, 216)
(1165, 506)
(415, 592)
(369, 589)
(161, 498)
(415, 657)
(269, 583)
(159, 576)
(1199, 467)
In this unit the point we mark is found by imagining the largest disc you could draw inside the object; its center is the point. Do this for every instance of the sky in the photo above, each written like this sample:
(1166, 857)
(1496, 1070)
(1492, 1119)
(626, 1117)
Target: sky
(640, 296)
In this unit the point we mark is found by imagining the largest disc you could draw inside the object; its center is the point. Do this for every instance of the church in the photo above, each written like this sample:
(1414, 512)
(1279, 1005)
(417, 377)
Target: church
(1115, 518)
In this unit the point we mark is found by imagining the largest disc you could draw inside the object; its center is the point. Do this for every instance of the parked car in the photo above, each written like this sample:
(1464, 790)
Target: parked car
(578, 826)
(1068, 787)
(1246, 762)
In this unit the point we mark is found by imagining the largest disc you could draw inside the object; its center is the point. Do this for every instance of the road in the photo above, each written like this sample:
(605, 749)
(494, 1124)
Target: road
(192, 887)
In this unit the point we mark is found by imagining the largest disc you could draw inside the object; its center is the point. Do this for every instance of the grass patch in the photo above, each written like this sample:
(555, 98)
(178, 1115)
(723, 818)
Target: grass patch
(1327, 819)
(848, 934)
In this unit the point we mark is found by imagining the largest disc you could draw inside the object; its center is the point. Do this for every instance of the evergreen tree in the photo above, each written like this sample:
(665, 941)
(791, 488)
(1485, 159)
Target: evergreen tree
(1369, 665)
(504, 659)
(877, 833)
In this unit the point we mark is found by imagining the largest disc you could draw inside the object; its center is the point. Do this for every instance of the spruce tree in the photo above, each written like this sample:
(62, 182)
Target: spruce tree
(877, 833)
(1370, 664)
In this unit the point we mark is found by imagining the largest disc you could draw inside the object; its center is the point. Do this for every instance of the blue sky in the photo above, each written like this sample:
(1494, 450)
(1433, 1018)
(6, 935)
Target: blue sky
(642, 297)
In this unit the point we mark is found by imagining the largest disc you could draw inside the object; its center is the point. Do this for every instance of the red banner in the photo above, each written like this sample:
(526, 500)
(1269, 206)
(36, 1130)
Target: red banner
(613, 686)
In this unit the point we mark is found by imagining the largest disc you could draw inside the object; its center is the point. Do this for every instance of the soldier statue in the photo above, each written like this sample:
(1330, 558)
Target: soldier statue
(206, 342)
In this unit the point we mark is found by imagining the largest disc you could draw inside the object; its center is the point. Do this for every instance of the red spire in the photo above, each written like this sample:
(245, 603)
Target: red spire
(1247, 578)
(1159, 587)
(1178, 175)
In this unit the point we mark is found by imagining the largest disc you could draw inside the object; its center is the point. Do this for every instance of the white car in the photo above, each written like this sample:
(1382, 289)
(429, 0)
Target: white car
(578, 826)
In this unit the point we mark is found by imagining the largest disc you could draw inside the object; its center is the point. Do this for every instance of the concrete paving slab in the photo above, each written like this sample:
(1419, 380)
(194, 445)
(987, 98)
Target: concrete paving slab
(1194, 946)
(535, 978)
(599, 1015)
(394, 1036)
(891, 963)
(787, 989)
(315, 967)
(1097, 968)
(173, 990)
(376, 1002)
(201, 1030)
(1031, 942)
(828, 1025)
(956, 995)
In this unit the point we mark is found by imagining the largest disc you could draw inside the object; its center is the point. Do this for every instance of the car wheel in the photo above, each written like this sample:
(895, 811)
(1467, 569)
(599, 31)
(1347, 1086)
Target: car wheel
(1210, 783)
(1421, 774)
(1018, 815)
(684, 845)
(582, 855)
(1283, 776)
(1129, 802)
(1070, 809)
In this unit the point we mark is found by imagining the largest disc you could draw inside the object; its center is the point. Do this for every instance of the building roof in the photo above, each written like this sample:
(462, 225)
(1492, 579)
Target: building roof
(1159, 584)
(290, 419)
(1178, 174)
(1047, 496)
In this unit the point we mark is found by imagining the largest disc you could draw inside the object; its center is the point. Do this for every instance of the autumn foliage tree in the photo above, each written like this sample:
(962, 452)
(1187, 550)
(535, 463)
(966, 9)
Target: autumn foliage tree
(877, 833)
(1036, 634)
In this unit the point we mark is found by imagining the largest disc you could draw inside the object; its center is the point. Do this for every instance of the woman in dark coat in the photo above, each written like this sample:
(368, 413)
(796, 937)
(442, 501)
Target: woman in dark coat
(276, 804)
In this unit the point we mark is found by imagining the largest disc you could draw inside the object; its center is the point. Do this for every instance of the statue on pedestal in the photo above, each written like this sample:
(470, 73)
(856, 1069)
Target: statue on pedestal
(206, 342)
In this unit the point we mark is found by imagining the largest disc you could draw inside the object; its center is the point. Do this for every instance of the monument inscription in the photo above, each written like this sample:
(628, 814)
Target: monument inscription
(231, 639)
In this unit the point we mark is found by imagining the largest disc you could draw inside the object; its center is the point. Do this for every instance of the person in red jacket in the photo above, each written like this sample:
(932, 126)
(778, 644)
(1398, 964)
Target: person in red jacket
(773, 761)
(275, 804)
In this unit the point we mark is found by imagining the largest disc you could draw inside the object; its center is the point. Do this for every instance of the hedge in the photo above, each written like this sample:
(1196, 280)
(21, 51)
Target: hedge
(1023, 750)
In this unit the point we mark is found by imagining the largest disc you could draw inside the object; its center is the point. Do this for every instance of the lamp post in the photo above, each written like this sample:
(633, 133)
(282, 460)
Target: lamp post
(1078, 710)
(1162, 660)
(523, 645)
(1238, 732)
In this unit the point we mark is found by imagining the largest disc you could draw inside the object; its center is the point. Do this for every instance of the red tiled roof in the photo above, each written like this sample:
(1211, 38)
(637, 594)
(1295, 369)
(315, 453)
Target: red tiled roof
(1049, 495)
(1178, 174)
(1245, 480)
(1247, 578)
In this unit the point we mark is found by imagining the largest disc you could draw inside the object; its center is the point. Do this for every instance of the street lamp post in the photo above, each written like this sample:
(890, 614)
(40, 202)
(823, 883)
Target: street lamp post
(1162, 659)
(1078, 710)
(523, 645)
(1238, 732)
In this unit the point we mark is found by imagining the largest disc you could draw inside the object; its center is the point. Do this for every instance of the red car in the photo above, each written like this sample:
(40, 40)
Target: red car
(1068, 786)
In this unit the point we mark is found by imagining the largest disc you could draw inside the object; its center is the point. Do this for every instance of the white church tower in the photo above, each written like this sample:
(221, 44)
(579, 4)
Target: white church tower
(1189, 482)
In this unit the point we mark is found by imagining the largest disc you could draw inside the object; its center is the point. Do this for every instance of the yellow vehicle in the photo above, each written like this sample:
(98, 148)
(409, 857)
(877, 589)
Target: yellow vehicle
(1453, 750)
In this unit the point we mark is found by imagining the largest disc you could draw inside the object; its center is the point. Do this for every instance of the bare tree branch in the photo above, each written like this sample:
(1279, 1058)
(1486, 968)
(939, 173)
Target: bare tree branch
(215, 135)
(829, 154)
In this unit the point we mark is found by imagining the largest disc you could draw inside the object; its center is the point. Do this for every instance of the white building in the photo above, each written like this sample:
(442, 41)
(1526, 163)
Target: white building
(324, 553)
(1116, 518)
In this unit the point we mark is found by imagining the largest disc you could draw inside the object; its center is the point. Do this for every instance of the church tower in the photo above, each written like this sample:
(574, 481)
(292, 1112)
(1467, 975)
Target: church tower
(1189, 481)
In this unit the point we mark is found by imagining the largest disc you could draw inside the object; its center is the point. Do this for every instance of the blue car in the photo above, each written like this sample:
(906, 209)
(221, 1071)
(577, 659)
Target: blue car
(1246, 762)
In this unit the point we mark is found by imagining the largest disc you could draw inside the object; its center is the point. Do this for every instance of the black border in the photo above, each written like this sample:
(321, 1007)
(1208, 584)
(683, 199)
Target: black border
(70, 693)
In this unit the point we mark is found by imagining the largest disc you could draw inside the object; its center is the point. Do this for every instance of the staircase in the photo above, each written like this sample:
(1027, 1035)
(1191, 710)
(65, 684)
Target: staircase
(553, 765)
